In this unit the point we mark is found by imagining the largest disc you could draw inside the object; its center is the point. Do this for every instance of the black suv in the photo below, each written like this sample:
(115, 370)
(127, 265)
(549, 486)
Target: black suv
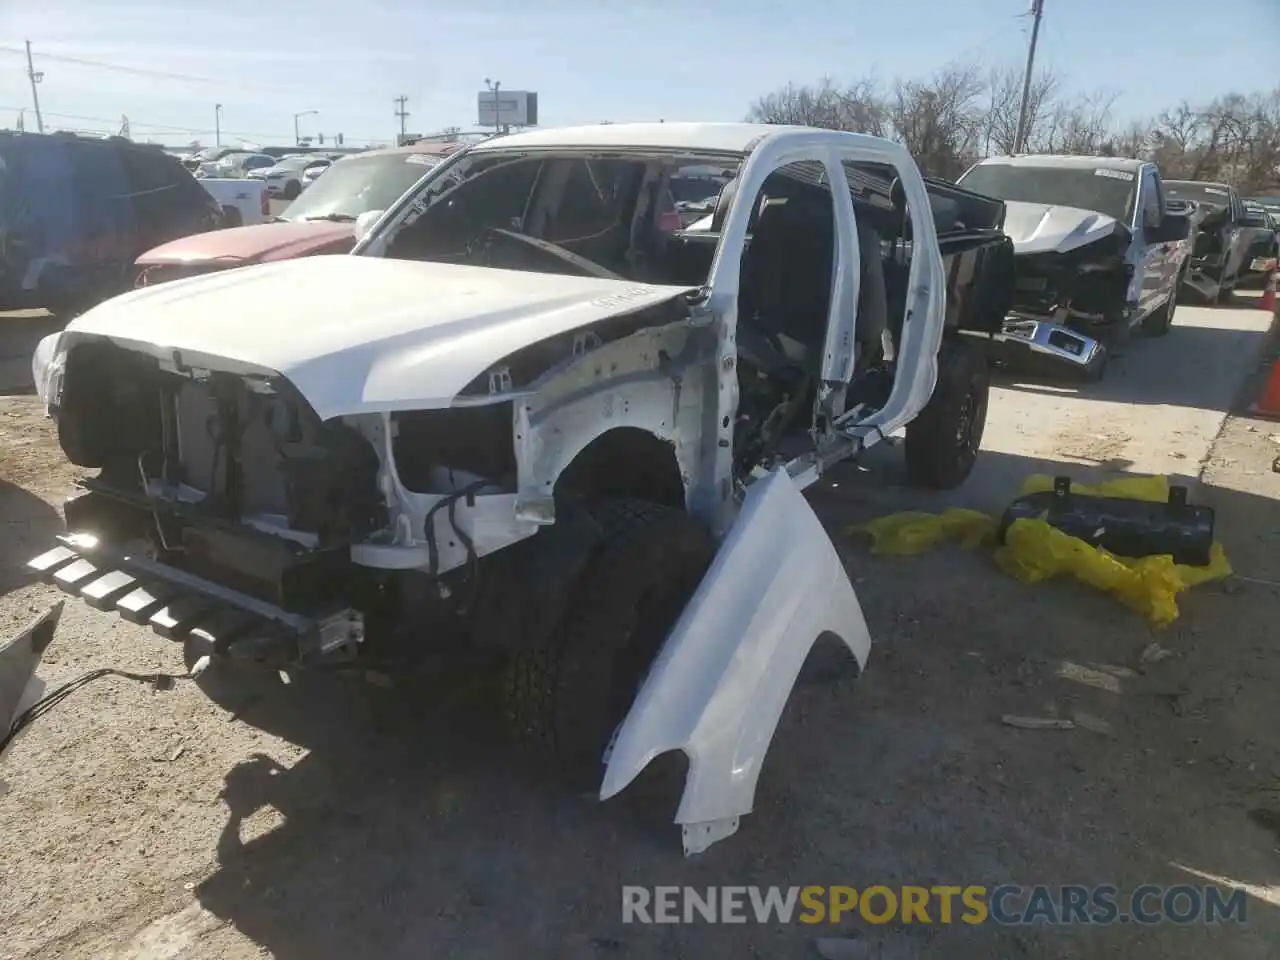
(76, 211)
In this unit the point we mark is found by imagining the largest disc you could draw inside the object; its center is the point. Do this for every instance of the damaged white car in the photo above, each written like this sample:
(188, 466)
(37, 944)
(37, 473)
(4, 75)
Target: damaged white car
(522, 418)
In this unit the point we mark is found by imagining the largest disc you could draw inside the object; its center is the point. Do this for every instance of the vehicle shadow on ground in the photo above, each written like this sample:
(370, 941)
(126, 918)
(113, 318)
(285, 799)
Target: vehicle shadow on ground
(412, 828)
(32, 524)
(1174, 370)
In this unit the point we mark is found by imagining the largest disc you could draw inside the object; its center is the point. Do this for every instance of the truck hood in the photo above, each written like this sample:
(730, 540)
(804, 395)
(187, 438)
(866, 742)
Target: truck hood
(359, 334)
(259, 243)
(1040, 228)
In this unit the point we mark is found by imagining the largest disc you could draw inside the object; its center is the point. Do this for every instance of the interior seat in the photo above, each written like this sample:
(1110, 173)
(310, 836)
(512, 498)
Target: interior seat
(786, 275)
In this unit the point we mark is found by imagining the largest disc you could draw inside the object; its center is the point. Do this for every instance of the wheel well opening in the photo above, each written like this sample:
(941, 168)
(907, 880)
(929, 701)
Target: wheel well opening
(625, 462)
(647, 799)
(830, 660)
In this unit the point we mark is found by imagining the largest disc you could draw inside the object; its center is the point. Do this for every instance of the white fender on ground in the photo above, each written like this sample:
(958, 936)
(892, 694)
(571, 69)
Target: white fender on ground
(719, 686)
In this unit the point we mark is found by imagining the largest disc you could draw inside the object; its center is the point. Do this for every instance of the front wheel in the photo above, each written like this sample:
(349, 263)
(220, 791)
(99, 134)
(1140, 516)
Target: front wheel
(291, 190)
(943, 440)
(567, 696)
(1161, 321)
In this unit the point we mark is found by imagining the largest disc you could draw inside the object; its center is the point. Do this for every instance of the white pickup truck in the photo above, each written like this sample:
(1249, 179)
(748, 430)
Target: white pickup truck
(243, 200)
(523, 421)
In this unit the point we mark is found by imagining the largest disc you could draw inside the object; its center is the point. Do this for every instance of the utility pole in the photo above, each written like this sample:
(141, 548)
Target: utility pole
(35, 77)
(217, 125)
(403, 114)
(1019, 140)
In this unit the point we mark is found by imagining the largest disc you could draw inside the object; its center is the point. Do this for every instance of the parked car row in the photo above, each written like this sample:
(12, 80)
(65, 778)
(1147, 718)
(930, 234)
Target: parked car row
(290, 175)
(320, 221)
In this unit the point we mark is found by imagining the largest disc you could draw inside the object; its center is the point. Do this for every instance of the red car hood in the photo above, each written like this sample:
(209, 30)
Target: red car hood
(260, 243)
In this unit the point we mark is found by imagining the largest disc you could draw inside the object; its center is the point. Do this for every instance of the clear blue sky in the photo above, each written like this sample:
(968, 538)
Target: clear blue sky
(589, 60)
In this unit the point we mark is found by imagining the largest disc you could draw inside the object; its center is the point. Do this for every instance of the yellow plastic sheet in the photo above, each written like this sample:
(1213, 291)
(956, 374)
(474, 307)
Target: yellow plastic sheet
(912, 532)
(1035, 551)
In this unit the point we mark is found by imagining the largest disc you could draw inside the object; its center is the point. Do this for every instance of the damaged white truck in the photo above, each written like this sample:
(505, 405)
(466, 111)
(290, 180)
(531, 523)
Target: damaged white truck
(524, 417)
(1099, 253)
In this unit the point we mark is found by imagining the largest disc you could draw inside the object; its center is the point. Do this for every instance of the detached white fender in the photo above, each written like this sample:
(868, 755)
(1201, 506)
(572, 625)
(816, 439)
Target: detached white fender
(719, 685)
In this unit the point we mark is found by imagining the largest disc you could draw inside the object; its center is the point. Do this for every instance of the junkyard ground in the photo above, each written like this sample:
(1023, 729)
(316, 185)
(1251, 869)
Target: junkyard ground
(346, 820)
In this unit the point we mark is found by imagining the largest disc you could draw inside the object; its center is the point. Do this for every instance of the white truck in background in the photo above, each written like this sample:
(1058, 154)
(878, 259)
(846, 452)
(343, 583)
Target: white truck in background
(243, 200)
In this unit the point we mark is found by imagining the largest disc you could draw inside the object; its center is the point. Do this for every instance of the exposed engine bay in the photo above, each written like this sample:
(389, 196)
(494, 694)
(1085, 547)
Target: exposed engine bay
(219, 474)
(1086, 286)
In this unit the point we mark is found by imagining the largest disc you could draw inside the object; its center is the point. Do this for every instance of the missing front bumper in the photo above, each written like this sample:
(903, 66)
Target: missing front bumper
(1044, 343)
(180, 606)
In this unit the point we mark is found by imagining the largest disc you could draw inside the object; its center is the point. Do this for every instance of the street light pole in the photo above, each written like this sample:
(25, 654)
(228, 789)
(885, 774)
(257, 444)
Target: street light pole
(495, 86)
(297, 136)
(217, 124)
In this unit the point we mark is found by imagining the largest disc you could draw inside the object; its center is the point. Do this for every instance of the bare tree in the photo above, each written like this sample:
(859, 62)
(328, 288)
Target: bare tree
(940, 121)
(964, 112)
(1079, 126)
(856, 107)
(1004, 100)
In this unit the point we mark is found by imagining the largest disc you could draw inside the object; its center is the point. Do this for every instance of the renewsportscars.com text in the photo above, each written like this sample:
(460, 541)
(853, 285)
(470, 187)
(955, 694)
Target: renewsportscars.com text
(1008, 904)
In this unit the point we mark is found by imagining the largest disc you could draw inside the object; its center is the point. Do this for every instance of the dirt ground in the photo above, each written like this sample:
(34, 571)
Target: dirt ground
(343, 820)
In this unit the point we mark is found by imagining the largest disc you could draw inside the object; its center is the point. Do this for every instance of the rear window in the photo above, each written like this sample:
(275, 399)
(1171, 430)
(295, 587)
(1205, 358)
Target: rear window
(1205, 194)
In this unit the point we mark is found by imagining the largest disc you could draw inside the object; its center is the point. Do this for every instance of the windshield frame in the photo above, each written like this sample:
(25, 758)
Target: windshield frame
(456, 171)
(315, 199)
(455, 163)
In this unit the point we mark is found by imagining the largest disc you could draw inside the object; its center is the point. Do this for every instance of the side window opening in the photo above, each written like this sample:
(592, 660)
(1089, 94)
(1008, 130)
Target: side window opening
(884, 241)
(788, 264)
(784, 299)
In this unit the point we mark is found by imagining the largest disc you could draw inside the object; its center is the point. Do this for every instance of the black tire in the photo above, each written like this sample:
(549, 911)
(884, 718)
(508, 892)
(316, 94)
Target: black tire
(1161, 321)
(231, 217)
(943, 440)
(1096, 369)
(292, 189)
(566, 697)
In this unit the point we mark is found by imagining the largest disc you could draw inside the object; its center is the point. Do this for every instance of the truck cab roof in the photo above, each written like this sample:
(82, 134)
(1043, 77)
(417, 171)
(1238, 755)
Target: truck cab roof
(736, 138)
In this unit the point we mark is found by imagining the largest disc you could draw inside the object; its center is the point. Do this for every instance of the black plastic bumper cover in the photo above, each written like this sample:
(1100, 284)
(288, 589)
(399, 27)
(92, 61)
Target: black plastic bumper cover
(1126, 528)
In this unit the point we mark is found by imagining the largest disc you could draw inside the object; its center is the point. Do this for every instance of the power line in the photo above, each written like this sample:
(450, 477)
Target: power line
(257, 87)
(118, 68)
(169, 128)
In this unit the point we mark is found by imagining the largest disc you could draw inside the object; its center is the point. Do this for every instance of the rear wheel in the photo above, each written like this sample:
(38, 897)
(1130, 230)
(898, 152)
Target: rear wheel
(943, 441)
(292, 189)
(567, 696)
